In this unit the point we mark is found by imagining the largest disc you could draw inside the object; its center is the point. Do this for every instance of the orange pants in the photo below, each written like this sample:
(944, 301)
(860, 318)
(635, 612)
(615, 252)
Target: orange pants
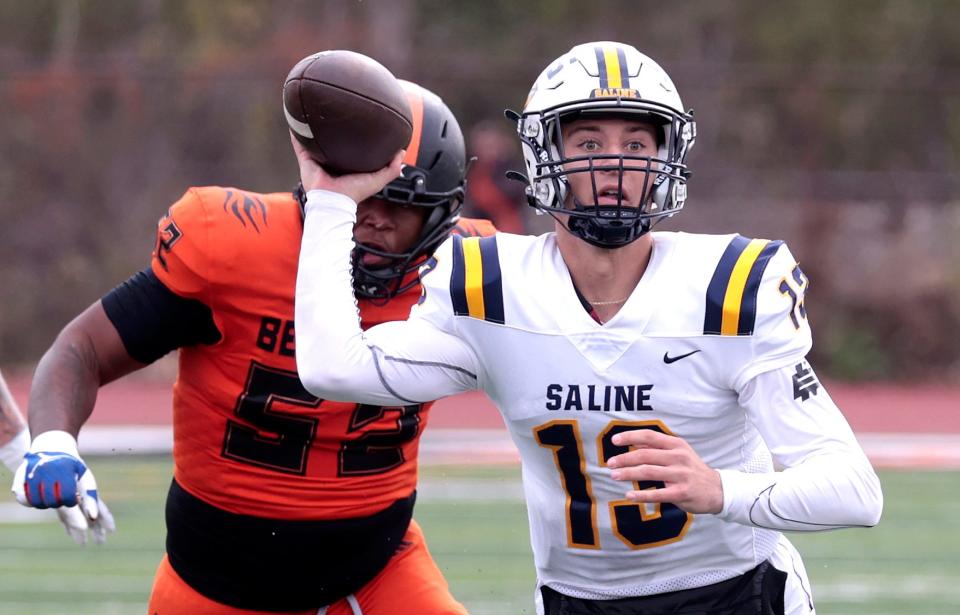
(411, 583)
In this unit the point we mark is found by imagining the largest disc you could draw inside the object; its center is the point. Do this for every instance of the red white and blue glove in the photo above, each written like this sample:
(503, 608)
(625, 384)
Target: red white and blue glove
(52, 475)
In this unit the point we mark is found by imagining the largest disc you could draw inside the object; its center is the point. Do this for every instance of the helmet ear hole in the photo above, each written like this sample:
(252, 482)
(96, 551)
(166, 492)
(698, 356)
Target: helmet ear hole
(436, 217)
(661, 189)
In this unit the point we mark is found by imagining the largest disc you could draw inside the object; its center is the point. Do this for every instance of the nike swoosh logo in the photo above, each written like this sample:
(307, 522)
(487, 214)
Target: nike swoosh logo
(668, 359)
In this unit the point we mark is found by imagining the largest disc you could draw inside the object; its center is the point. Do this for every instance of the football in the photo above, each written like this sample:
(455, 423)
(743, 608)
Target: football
(348, 111)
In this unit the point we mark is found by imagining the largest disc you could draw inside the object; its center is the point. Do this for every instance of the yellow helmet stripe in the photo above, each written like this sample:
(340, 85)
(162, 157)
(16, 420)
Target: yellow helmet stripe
(612, 61)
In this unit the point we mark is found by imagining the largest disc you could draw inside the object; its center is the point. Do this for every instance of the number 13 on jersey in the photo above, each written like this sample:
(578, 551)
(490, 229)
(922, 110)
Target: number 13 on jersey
(639, 526)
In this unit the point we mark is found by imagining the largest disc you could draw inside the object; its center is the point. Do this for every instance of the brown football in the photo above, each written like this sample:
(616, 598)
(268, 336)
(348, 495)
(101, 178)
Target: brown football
(347, 110)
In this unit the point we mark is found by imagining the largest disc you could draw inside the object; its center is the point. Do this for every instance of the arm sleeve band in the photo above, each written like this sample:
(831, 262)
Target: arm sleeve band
(152, 320)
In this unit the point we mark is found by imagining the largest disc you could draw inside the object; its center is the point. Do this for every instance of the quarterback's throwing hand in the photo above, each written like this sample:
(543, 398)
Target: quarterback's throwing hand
(687, 481)
(357, 186)
(53, 475)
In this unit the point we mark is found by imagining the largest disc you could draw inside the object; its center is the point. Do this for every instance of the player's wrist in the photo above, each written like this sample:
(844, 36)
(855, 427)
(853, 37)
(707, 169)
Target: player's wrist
(13, 451)
(716, 501)
(740, 492)
(330, 200)
(55, 440)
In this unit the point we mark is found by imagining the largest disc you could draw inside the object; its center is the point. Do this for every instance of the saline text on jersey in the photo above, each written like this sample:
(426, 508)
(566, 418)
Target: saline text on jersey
(599, 398)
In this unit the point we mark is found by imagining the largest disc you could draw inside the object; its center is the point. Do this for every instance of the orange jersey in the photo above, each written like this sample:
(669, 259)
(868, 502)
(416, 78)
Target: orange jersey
(248, 438)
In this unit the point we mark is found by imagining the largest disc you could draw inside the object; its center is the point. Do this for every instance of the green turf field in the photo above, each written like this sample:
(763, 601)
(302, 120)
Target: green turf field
(476, 526)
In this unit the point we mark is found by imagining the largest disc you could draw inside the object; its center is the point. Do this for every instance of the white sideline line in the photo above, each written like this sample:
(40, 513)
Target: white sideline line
(126, 440)
(493, 446)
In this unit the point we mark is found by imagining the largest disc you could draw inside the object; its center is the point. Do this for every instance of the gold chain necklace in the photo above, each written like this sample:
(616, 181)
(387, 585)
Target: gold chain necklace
(617, 302)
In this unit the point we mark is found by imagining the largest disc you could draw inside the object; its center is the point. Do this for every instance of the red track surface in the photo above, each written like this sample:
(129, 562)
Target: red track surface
(876, 408)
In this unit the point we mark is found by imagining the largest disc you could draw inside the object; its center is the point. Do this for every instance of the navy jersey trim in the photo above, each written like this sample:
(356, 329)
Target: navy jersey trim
(731, 300)
(476, 287)
(717, 288)
(458, 279)
(748, 309)
(492, 283)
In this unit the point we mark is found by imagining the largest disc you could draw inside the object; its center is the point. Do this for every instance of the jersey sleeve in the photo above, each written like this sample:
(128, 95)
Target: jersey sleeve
(781, 335)
(435, 305)
(414, 361)
(152, 320)
(181, 255)
(825, 481)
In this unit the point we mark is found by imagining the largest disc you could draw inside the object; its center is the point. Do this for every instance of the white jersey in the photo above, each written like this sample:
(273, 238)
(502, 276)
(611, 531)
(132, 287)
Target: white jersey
(709, 347)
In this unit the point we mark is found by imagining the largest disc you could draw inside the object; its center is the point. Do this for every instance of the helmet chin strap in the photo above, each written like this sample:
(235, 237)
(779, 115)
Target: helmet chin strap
(379, 284)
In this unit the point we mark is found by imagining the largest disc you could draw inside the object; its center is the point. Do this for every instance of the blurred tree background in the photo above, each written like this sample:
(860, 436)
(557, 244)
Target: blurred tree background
(833, 125)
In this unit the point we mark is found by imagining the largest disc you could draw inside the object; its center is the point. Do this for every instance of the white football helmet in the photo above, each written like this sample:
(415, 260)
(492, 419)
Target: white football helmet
(605, 78)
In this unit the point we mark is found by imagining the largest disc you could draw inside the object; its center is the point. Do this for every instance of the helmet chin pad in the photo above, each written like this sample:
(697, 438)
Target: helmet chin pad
(607, 226)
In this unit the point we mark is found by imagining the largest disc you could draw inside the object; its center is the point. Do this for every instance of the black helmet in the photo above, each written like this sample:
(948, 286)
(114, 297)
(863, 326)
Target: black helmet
(433, 176)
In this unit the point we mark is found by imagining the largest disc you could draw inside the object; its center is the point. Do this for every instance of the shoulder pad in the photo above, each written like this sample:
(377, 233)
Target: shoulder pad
(780, 334)
(731, 301)
(476, 289)
(246, 208)
(474, 227)
(180, 251)
(462, 278)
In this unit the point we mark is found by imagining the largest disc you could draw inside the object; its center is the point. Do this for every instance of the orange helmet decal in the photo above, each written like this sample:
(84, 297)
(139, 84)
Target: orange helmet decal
(416, 106)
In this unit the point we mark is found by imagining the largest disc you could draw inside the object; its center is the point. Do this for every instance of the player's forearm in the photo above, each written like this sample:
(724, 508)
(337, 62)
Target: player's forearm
(14, 438)
(825, 492)
(332, 358)
(827, 482)
(64, 387)
(11, 421)
(397, 362)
